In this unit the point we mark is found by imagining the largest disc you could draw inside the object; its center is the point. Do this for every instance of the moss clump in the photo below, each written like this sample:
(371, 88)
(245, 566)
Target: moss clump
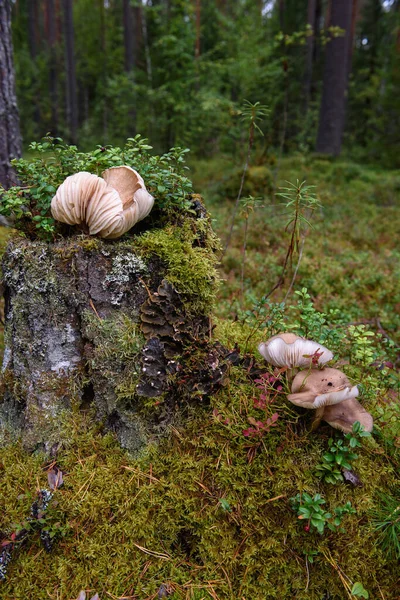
(190, 258)
(208, 509)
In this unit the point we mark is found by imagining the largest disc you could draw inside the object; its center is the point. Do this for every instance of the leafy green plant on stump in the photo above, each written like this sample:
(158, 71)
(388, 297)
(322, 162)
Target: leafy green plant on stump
(53, 160)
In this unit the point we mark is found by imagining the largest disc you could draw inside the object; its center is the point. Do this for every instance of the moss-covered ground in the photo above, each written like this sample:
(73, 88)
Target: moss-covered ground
(207, 513)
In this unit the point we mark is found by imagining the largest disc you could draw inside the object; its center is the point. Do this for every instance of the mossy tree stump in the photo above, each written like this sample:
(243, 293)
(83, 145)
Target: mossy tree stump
(121, 328)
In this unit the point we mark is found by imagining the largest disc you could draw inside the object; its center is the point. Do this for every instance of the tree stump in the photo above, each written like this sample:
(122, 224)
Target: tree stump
(108, 327)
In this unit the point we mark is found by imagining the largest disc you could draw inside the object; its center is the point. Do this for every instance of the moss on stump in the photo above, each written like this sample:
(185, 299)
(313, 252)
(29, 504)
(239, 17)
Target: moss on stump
(91, 322)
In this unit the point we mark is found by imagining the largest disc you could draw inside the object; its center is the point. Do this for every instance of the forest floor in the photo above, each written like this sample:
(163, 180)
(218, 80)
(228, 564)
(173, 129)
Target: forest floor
(210, 513)
(351, 256)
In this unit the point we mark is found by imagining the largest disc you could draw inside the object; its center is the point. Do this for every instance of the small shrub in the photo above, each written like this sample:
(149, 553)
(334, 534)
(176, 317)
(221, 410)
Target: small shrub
(340, 455)
(29, 204)
(310, 509)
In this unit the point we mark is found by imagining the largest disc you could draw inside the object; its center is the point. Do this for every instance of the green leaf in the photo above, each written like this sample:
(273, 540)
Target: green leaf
(359, 590)
(225, 504)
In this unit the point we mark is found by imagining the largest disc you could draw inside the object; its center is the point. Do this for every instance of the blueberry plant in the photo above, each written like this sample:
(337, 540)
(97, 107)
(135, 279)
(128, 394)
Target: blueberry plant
(28, 204)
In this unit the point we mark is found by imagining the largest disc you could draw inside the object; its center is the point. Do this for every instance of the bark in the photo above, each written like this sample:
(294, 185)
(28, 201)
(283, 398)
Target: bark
(311, 20)
(53, 67)
(105, 67)
(355, 14)
(333, 102)
(95, 325)
(71, 91)
(10, 137)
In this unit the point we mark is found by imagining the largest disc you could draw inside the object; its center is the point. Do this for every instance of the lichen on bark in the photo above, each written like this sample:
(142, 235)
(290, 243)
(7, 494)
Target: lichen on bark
(77, 335)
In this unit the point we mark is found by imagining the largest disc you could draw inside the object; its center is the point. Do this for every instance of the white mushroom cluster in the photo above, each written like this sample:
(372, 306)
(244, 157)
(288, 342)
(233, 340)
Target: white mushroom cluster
(107, 206)
(322, 388)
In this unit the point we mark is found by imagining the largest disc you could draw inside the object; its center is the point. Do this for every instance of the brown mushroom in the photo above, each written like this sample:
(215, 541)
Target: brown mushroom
(108, 206)
(315, 388)
(290, 350)
(343, 415)
(330, 392)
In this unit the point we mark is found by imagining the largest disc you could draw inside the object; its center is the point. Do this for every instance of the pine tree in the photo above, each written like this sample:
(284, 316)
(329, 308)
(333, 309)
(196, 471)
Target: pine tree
(10, 137)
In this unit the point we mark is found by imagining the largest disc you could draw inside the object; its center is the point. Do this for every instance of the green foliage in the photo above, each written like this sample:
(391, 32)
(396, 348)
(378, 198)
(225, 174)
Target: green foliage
(386, 522)
(311, 510)
(359, 591)
(362, 346)
(53, 161)
(340, 455)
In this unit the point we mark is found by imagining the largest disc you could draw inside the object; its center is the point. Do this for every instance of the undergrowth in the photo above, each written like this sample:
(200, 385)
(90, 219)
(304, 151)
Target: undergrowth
(208, 510)
(207, 513)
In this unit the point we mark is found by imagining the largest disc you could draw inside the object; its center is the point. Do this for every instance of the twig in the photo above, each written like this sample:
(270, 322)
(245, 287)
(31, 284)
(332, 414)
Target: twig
(94, 309)
(296, 269)
(308, 575)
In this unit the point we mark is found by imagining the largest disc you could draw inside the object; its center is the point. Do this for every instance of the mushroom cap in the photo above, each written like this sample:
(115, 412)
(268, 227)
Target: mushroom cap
(125, 180)
(290, 350)
(343, 416)
(109, 205)
(316, 388)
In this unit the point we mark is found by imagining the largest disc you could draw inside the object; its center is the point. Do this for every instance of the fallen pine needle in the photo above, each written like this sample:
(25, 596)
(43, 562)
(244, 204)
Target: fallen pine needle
(153, 553)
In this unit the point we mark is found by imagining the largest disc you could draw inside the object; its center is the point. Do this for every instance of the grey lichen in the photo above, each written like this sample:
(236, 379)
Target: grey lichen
(126, 269)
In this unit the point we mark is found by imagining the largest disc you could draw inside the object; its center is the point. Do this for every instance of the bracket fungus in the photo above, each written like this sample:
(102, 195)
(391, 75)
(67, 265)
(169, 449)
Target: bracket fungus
(108, 206)
(290, 350)
(330, 392)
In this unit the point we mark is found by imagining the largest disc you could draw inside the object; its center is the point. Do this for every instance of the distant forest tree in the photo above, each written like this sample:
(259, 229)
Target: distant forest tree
(97, 71)
(333, 101)
(10, 138)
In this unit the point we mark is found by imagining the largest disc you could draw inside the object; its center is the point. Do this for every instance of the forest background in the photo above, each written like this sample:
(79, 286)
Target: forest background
(95, 71)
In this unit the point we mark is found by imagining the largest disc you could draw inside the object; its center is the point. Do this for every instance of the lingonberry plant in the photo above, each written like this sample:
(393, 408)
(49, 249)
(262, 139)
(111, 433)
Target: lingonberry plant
(311, 510)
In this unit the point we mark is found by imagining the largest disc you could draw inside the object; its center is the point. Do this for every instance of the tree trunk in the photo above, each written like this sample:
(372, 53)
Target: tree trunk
(53, 70)
(92, 324)
(198, 29)
(311, 20)
(10, 137)
(130, 59)
(71, 91)
(333, 102)
(33, 40)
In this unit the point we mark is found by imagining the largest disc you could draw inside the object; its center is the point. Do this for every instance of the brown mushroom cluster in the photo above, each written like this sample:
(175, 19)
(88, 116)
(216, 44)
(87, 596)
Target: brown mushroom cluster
(326, 390)
(106, 206)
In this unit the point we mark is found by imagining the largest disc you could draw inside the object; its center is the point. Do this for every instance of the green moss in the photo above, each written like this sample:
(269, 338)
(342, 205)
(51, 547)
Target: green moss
(188, 250)
(137, 524)
(115, 356)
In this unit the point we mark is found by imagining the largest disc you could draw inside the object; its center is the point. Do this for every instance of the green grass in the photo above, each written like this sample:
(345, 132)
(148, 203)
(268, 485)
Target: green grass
(351, 258)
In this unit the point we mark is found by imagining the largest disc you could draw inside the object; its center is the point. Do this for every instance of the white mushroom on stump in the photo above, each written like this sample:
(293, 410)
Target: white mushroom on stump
(108, 206)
